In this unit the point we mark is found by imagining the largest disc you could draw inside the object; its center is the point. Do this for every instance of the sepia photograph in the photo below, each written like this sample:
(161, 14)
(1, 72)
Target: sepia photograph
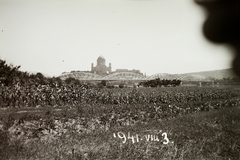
(119, 80)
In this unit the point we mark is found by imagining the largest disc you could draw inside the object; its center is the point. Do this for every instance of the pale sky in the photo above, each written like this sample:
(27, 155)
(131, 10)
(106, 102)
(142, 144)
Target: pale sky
(153, 36)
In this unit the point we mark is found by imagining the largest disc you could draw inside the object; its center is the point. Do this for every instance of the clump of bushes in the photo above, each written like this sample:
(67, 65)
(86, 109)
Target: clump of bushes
(158, 82)
(121, 85)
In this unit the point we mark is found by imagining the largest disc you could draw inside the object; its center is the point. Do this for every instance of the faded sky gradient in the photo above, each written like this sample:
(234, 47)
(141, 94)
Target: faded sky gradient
(154, 36)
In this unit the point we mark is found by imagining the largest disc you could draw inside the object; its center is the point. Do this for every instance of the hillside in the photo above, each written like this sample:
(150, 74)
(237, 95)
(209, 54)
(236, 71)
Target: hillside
(204, 75)
(217, 74)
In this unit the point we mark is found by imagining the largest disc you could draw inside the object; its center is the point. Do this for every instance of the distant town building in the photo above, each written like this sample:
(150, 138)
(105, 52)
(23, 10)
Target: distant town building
(126, 70)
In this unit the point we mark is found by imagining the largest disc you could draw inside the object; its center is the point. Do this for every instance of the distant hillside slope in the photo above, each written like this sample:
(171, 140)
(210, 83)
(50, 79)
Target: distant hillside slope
(204, 75)
(217, 74)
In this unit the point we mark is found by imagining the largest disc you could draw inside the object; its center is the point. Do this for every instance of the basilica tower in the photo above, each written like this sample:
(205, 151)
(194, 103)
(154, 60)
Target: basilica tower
(101, 67)
(101, 61)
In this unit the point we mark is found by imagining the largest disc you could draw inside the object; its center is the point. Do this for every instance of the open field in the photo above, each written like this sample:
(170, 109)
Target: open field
(143, 123)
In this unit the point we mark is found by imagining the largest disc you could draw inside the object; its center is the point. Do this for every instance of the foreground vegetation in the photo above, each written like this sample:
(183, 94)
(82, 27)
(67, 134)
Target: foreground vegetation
(206, 135)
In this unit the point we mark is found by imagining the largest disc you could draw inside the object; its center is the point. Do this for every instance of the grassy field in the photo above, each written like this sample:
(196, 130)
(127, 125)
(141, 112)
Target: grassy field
(171, 123)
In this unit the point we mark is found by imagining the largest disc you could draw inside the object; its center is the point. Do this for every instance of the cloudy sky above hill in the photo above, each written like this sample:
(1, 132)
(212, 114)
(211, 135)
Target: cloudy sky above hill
(154, 36)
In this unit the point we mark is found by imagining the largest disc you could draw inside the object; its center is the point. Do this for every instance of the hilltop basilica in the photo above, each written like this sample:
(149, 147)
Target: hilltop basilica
(103, 72)
(102, 69)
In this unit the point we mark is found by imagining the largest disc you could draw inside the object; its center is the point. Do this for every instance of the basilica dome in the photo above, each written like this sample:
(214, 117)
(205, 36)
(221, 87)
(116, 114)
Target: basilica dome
(101, 61)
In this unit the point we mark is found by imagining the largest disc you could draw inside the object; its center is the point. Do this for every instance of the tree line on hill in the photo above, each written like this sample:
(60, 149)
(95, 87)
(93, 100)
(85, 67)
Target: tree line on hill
(11, 75)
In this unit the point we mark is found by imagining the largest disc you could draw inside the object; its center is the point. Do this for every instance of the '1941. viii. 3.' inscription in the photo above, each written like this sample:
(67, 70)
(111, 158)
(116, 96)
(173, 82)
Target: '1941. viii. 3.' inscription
(147, 137)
